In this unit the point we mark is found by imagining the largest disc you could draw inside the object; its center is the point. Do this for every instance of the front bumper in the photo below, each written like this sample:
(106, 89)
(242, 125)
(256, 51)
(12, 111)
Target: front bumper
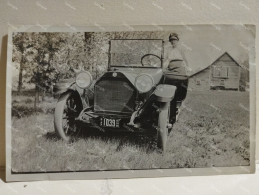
(108, 121)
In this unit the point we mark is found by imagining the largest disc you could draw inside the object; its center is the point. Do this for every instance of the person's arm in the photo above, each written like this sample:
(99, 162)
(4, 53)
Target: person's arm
(188, 68)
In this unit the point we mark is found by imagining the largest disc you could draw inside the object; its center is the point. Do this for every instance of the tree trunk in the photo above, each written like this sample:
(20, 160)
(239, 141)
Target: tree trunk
(37, 97)
(19, 88)
(43, 95)
(88, 39)
(37, 92)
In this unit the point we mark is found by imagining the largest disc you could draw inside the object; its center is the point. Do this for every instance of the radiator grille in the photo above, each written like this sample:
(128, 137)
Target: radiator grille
(114, 95)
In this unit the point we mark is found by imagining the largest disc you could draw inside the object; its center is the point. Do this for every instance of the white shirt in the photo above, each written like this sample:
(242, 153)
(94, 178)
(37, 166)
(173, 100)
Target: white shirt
(174, 54)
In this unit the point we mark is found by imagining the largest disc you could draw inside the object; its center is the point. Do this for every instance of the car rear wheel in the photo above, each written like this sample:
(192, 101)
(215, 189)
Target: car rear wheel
(67, 109)
(163, 125)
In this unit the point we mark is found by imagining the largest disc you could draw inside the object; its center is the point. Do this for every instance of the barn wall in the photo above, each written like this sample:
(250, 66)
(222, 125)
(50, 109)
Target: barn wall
(200, 81)
(232, 70)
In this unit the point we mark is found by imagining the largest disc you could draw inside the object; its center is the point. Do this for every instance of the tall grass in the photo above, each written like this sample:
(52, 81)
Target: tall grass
(212, 130)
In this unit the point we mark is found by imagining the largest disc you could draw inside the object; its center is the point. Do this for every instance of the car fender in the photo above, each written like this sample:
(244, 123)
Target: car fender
(63, 85)
(69, 85)
(164, 92)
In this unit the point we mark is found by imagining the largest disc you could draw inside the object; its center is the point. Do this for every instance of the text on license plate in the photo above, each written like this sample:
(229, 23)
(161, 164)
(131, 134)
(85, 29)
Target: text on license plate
(106, 122)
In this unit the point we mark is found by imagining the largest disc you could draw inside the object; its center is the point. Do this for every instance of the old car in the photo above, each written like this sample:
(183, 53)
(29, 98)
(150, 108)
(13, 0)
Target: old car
(130, 95)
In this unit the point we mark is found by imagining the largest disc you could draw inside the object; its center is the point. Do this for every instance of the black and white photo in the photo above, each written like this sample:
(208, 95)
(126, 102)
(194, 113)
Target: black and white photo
(168, 98)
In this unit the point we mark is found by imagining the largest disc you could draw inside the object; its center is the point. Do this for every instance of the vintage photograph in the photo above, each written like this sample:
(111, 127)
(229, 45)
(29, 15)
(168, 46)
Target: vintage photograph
(131, 99)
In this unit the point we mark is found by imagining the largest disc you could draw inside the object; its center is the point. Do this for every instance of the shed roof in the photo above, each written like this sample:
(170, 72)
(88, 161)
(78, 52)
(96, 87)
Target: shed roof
(214, 62)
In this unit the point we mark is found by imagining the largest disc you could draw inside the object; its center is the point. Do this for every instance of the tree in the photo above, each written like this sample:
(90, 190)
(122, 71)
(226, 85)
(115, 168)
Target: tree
(244, 75)
(72, 54)
(45, 58)
(44, 74)
(36, 52)
(21, 43)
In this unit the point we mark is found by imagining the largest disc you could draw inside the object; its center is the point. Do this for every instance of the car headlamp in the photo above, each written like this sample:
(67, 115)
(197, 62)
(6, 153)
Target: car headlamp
(144, 83)
(84, 79)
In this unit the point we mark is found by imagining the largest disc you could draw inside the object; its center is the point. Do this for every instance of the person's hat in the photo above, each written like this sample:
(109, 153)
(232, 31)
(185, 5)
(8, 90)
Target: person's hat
(173, 36)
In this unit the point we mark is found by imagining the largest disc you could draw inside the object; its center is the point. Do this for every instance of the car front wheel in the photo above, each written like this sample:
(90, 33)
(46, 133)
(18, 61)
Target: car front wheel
(163, 124)
(67, 110)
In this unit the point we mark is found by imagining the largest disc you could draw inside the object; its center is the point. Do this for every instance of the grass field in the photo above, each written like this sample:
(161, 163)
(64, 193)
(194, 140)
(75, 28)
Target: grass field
(212, 130)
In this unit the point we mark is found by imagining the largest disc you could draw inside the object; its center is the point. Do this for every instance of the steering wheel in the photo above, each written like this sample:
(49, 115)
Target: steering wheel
(149, 54)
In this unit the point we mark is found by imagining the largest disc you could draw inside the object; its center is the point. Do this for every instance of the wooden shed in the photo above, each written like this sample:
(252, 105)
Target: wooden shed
(223, 73)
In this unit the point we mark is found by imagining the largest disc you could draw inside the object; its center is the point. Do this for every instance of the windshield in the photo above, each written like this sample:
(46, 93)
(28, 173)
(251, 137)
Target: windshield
(133, 53)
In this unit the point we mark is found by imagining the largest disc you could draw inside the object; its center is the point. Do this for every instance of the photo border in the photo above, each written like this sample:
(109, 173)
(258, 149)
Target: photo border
(123, 173)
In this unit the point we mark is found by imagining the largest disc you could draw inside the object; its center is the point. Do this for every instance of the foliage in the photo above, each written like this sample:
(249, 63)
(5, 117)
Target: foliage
(35, 52)
(45, 58)
(244, 76)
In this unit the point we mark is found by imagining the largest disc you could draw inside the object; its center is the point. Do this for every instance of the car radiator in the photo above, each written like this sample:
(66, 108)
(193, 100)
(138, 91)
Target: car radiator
(114, 95)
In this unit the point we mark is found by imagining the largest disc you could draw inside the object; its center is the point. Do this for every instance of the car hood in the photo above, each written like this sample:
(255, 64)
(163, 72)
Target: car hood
(131, 74)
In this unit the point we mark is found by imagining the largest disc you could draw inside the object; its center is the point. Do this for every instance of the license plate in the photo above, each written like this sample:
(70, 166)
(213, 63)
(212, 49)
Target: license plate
(106, 122)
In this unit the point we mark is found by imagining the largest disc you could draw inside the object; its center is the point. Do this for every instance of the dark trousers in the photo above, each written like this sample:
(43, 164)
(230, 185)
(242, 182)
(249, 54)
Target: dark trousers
(181, 87)
(180, 94)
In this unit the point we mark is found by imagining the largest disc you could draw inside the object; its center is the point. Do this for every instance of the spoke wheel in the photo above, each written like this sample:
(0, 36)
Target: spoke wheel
(67, 109)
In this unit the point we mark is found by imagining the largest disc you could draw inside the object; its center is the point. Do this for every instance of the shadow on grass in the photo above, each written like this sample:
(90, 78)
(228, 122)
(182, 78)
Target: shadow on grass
(142, 140)
(52, 136)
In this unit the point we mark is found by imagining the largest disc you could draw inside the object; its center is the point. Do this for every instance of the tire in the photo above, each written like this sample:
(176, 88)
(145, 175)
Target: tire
(163, 121)
(67, 109)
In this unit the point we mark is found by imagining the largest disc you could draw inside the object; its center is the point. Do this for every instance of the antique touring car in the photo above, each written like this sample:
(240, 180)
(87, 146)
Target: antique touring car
(130, 95)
